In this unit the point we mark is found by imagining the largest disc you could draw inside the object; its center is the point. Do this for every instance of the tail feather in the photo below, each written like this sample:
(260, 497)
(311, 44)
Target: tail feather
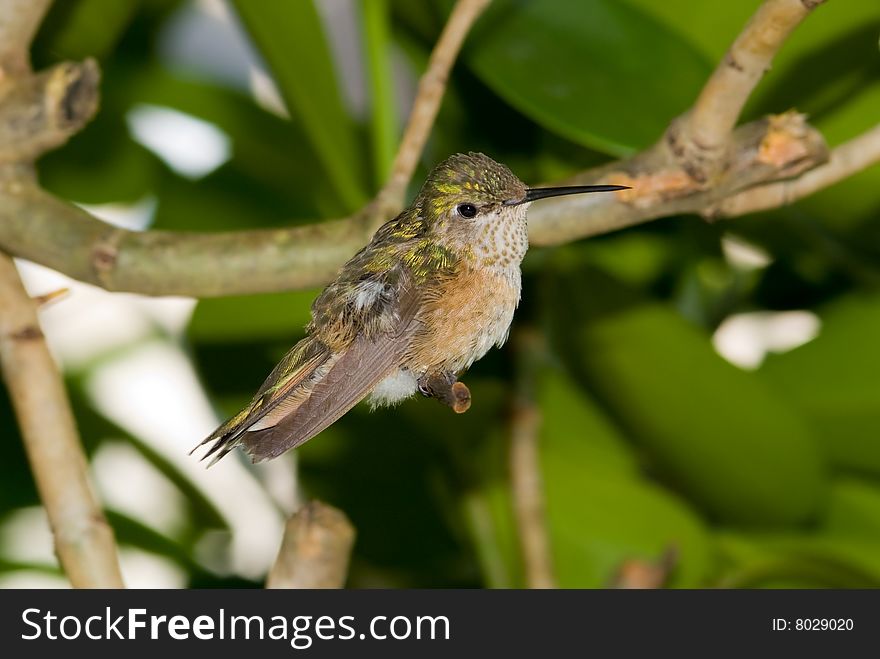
(341, 383)
(286, 387)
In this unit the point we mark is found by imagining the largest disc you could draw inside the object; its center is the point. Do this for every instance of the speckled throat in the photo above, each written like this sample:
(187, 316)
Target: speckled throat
(500, 240)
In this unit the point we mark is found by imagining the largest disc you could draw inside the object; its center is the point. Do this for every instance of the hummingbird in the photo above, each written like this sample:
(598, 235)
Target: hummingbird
(432, 292)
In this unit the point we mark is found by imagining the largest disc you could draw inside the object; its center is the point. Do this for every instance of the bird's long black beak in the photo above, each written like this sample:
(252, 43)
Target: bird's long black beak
(533, 194)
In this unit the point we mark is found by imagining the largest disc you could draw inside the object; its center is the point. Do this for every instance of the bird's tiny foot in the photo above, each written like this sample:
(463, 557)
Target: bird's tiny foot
(446, 389)
(462, 398)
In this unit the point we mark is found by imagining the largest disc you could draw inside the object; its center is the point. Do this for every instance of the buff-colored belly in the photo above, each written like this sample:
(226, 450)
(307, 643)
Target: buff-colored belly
(471, 314)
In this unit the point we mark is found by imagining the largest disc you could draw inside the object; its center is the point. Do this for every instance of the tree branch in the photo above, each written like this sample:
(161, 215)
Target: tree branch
(83, 539)
(39, 227)
(773, 148)
(315, 550)
(699, 139)
(38, 113)
(19, 20)
(36, 226)
(845, 160)
(41, 112)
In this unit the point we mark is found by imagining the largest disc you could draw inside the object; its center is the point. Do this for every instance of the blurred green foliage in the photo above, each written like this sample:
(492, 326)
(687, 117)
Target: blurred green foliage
(649, 439)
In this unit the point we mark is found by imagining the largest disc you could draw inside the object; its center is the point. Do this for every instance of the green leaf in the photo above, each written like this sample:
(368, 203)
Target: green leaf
(95, 428)
(252, 317)
(575, 430)
(17, 487)
(709, 26)
(600, 511)
(829, 65)
(270, 152)
(383, 115)
(597, 522)
(77, 29)
(488, 516)
(637, 257)
(833, 381)
(599, 72)
(130, 531)
(841, 551)
(789, 562)
(228, 199)
(291, 38)
(853, 510)
(100, 165)
(205, 513)
(808, 559)
(720, 434)
(828, 68)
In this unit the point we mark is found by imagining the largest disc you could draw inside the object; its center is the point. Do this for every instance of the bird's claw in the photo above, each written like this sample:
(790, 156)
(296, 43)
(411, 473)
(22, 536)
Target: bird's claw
(461, 397)
(448, 390)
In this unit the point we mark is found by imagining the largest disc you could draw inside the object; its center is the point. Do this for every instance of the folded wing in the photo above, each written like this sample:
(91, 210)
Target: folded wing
(350, 378)
(313, 386)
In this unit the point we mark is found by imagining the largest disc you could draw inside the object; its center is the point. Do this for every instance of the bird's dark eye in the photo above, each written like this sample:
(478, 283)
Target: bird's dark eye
(467, 210)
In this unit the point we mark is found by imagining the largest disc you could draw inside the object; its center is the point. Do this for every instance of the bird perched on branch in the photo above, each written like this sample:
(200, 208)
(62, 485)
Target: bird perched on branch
(430, 294)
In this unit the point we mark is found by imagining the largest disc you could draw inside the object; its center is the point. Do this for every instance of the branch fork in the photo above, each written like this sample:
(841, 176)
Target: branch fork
(699, 140)
(41, 112)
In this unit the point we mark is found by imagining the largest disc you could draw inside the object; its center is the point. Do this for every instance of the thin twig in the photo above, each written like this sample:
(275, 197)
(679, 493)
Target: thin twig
(845, 160)
(525, 471)
(83, 539)
(432, 87)
(699, 139)
(528, 497)
(638, 573)
(315, 550)
(51, 297)
(19, 20)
